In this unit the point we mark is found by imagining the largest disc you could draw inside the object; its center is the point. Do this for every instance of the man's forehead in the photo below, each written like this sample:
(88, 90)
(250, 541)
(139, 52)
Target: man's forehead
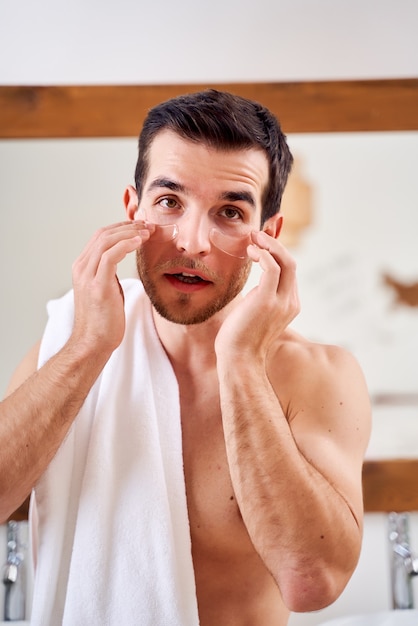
(168, 137)
(171, 148)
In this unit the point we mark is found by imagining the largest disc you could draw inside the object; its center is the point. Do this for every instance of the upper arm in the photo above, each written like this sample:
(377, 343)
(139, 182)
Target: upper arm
(26, 368)
(330, 417)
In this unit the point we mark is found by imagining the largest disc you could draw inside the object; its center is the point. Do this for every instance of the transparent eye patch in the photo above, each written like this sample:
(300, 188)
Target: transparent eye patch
(233, 239)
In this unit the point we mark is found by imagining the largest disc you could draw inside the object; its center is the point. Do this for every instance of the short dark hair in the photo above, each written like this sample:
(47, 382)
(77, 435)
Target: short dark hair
(223, 121)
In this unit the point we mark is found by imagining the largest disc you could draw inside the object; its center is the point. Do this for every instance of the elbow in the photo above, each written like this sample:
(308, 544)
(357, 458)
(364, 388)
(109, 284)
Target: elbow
(5, 515)
(311, 583)
(312, 590)
(11, 507)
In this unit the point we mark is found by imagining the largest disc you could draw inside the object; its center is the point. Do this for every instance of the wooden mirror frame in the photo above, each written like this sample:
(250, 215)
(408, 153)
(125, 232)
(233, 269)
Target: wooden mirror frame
(118, 111)
(35, 112)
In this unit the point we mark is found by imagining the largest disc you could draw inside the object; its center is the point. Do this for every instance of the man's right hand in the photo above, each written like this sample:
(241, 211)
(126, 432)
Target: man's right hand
(41, 404)
(99, 318)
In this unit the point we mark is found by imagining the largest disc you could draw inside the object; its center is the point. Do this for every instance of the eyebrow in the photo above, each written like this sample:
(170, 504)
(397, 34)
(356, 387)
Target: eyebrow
(229, 196)
(239, 196)
(167, 183)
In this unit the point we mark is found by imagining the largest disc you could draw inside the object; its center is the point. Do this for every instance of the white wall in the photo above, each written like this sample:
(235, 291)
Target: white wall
(49, 207)
(126, 41)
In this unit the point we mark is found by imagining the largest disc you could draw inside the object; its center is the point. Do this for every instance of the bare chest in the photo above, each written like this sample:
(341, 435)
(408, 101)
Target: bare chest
(215, 520)
(233, 585)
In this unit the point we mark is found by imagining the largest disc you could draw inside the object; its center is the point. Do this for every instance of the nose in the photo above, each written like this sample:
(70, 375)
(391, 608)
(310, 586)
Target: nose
(193, 235)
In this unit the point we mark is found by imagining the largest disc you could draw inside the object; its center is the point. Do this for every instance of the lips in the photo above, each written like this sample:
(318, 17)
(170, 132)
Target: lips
(188, 280)
(187, 273)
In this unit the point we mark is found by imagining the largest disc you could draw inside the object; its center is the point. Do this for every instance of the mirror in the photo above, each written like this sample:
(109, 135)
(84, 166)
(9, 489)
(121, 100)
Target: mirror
(67, 154)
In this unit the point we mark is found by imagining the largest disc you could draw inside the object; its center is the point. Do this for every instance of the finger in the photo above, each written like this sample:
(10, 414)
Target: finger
(281, 256)
(102, 262)
(105, 231)
(109, 260)
(270, 277)
(105, 239)
(277, 286)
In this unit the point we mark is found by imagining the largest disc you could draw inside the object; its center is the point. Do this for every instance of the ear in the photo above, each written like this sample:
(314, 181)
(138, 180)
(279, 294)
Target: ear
(130, 200)
(273, 225)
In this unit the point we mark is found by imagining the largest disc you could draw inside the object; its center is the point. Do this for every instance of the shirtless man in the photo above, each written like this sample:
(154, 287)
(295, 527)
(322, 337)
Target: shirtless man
(274, 427)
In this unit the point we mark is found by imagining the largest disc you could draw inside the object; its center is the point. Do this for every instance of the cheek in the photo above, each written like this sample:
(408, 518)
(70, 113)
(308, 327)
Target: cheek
(153, 251)
(144, 257)
(244, 271)
(233, 272)
(153, 254)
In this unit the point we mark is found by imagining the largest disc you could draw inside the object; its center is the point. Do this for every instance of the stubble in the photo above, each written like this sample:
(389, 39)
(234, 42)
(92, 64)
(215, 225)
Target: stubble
(182, 311)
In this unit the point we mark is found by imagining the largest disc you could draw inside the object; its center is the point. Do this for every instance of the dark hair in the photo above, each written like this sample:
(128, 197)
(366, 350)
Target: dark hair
(224, 121)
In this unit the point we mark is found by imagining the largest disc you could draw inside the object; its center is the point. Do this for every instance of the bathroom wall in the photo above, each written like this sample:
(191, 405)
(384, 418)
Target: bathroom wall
(49, 207)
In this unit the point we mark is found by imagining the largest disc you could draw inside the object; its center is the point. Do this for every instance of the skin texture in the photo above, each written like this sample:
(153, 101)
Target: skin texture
(274, 426)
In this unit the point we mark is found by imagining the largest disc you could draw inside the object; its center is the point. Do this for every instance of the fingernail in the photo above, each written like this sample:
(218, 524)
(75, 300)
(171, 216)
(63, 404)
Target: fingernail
(144, 233)
(264, 237)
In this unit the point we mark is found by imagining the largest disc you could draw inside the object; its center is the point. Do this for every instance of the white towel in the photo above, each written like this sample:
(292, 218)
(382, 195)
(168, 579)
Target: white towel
(113, 532)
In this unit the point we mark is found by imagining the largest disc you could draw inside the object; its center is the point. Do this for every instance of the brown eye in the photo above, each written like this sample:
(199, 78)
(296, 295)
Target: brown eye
(168, 203)
(231, 213)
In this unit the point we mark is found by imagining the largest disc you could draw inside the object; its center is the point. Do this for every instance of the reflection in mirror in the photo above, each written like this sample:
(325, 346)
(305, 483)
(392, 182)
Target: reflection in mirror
(350, 220)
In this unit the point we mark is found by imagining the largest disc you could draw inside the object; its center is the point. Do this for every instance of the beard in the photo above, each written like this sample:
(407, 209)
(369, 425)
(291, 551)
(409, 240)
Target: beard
(183, 311)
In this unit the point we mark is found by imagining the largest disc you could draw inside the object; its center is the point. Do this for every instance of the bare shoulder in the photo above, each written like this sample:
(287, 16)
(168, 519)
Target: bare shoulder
(322, 391)
(25, 369)
(298, 361)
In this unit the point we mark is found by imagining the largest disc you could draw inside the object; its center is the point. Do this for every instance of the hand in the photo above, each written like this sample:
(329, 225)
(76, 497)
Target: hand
(268, 308)
(99, 321)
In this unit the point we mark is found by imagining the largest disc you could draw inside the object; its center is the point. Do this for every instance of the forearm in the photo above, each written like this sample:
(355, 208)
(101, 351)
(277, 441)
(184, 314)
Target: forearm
(36, 417)
(303, 529)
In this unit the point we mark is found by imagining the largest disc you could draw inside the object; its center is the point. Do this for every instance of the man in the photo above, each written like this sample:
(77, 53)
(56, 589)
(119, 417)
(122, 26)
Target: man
(192, 458)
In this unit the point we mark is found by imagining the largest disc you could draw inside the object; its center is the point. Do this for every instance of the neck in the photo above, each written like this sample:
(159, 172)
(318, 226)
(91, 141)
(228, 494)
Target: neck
(191, 344)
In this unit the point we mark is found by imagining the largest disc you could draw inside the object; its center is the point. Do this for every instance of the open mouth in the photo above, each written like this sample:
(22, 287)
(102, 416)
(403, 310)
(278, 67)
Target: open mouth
(190, 279)
(188, 282)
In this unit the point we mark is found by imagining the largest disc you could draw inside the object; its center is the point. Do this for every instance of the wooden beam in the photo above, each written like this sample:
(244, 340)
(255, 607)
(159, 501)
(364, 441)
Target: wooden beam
(390, 485)
(118, 111)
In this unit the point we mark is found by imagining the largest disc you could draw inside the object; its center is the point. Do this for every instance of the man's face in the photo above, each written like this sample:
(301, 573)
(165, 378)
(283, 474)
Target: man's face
(189, 279)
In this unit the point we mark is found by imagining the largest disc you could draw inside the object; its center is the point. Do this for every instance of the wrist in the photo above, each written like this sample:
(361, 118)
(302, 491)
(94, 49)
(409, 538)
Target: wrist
(240, 364)
(87, 352)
